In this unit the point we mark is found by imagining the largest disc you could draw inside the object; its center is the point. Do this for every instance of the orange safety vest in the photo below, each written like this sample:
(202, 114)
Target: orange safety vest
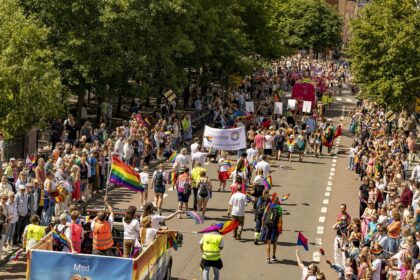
(76, 237)
(102, 236)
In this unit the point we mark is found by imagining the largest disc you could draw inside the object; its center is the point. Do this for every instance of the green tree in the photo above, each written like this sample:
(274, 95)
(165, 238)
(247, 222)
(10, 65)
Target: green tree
(308, 24)
(30, 86)
(384, 51)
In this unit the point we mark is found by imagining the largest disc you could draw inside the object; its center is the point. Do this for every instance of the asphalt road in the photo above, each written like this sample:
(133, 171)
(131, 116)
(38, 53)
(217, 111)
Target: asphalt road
(314, 198)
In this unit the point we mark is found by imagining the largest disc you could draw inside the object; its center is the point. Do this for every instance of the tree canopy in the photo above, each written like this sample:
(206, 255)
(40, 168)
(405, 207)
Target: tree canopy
(30, 86)
(385, 54)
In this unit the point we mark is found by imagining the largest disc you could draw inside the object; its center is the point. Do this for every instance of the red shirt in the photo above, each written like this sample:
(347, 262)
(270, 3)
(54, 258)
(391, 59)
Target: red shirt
(259, 141)
(406, 197)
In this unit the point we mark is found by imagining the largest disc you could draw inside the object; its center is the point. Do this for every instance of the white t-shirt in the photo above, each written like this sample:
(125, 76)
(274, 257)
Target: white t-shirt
(251, 153)
(223, 167)
(305, 273)
(199, 157)
(150, 236)
(181, 160)
(376, 267)
(144, 178)
(238, 202)
(156, 220)
(194, 148)
(265, 166)
(258, 180)
(131, 230)
(268, 143)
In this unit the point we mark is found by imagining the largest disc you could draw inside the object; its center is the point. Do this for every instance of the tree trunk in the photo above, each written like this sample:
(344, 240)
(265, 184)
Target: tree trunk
(98, 110)
(119, 105)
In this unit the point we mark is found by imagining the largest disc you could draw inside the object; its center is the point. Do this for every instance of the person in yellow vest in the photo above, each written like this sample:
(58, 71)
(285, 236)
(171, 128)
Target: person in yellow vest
(210, 244)
(32, 233)
(102, 231)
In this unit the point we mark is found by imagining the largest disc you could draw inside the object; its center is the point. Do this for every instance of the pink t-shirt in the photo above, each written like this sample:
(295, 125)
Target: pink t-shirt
(259, 141)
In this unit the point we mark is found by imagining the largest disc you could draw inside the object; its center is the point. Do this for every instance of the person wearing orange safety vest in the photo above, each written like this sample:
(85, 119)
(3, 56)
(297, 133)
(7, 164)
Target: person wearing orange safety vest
(76, 232)
(102, 231)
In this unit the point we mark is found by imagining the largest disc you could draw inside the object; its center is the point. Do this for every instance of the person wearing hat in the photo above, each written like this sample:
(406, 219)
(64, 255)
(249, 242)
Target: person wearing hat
(183, 187)
(22, 200)
(64, 228)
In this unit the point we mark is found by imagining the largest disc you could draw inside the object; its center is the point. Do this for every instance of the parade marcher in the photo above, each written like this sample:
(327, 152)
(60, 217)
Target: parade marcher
(236, 207)
(76, 232)
(211, 244)
(159, 186)
(204, 192)
(183, 187)
(272, 226)
(156, 220)
(32, 233)
(144, 178)
(101, 228)
(195, 178)
(131, 231)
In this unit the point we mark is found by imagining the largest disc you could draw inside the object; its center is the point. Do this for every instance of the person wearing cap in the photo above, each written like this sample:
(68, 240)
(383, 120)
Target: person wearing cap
(22, 200)
(64, 228)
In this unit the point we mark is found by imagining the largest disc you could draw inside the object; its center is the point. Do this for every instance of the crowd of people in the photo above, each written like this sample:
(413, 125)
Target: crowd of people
(46, 188)
(383, 241)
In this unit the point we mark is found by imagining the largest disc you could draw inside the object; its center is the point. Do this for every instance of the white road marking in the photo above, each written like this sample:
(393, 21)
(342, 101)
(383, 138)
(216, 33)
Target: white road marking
(318, 241)
(327, 194)
(320, 230)
(334, 160)
(324, 210)
(165, 195)
(330, 178)
(316, 257)
(321, 219)
(342, 112)
(348, 100)
(332, 169)
(328, 189)
(331, 173)
(329, 183)
(333, 165)
(339, 98)
(325, 201)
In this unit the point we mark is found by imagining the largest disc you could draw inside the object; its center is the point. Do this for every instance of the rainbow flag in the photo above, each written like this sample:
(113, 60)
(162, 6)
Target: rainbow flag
(173, 157)
(60, 237)
(16, 255)
(124, 175)
(268, 183)
(222, 228)
(302, 240)
(285, 197)
(330, 135)
(230, 170)
(172, 243)
(197, 218)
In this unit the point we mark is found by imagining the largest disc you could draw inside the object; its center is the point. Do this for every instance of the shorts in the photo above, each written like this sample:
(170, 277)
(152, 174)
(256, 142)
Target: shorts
(268, 151)
(159, 189)
(183, 197)
(240, 219)
(217, 264)
(223, 176)
(269, 233)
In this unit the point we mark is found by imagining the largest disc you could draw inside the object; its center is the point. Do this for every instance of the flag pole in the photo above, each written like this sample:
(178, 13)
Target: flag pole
(109, 174)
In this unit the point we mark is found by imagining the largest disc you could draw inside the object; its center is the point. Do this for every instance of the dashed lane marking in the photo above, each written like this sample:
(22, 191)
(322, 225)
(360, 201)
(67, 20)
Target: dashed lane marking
(324, 210)
(325, 201)
(321, 219)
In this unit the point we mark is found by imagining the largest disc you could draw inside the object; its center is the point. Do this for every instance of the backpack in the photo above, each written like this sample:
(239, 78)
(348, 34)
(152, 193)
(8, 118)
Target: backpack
(56, 244)
(301, 144)
(261, 207)
(272, 217)
(183, 185)
(159, 181)
(203, 188)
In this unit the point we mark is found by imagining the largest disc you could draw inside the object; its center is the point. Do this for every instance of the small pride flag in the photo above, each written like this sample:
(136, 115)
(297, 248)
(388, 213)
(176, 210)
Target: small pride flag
(302, 240)
(284, 197)
(173, 157)
(268, 183)
(196, 217)
(172, 243)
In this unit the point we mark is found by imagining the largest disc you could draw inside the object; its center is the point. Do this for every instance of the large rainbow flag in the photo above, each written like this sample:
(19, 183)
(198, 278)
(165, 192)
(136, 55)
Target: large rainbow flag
(124, 175)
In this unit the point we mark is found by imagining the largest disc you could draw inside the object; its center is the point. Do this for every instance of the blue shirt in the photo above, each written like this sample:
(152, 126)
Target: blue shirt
(92, 162)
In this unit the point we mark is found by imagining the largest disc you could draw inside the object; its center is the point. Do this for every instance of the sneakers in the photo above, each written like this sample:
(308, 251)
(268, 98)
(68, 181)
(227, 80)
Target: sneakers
(268, 260)
(256, 241)
(274, 259)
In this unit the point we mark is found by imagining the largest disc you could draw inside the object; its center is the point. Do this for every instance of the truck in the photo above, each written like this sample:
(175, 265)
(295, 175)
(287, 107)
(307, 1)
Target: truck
(154, 262)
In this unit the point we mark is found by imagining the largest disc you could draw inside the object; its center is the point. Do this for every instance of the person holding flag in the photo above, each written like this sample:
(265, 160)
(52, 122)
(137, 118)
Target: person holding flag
(211, 244)
(272, 227)
(102, 231)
